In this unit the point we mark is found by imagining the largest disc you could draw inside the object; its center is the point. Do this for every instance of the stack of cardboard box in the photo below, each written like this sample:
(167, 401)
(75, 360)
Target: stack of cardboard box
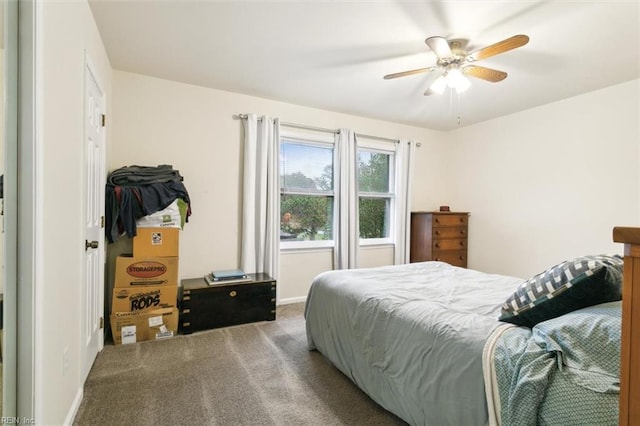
(145, 293)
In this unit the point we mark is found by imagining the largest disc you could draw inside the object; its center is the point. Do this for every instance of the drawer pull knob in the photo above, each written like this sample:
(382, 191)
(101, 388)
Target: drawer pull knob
(461, 257)
(186, 298)
(462, 219)
(437, 232)
(186, 311)
(186, 324)
(461, 232)
(461, 243)
(437, 220)
(437, 245)
(438, 259)
(233, 293)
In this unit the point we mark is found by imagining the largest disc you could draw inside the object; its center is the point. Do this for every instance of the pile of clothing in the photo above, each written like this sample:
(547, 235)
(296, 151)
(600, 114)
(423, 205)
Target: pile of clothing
(133, 192)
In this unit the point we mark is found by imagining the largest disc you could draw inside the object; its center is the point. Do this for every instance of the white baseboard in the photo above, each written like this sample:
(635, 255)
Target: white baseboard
(292, 300)
(73, 410)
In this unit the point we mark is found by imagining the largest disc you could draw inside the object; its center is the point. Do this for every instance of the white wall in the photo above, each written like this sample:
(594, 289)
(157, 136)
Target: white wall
(550, 183)
(163, 122)
(297, 268)
(66, 31)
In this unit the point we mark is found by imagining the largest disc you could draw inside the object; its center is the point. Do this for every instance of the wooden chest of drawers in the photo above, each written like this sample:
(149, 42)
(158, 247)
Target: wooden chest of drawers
(439, 236)
(203, 307)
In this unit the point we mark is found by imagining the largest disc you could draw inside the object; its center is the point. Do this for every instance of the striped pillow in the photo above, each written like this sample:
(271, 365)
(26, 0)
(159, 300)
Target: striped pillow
(565, 287)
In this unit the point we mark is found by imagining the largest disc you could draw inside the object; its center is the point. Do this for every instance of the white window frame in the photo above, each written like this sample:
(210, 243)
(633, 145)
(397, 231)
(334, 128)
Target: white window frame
(319, 139)
(327, 140)
(388, 148)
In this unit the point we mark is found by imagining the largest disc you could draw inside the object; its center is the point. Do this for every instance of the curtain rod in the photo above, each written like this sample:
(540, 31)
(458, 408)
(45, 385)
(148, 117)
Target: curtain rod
(322, 129)
(296, 126)
(377, 138)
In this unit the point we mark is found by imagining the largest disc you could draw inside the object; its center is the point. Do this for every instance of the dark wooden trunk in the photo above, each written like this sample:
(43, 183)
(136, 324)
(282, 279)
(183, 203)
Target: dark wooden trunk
(203, 307)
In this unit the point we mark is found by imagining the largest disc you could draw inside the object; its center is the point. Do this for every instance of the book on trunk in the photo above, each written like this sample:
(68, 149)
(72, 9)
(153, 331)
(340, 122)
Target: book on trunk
(226, 276)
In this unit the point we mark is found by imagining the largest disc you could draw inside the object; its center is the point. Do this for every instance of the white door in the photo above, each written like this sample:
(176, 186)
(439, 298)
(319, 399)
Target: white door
(94, 172)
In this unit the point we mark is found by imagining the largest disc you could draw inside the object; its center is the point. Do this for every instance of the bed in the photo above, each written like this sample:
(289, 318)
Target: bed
(423, 340)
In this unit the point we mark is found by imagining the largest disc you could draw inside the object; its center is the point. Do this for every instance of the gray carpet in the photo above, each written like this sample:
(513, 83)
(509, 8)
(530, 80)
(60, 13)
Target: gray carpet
(253, 374)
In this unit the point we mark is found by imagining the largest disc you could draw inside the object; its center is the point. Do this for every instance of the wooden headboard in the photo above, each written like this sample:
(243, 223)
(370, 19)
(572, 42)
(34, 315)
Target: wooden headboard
(630, 349)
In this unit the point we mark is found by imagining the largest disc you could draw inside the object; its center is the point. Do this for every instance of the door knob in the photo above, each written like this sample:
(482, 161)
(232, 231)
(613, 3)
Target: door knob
(90, 244)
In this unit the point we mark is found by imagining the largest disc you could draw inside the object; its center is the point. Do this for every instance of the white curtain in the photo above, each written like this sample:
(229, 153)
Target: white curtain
(404, 166)
(346, 231)
(261, 196)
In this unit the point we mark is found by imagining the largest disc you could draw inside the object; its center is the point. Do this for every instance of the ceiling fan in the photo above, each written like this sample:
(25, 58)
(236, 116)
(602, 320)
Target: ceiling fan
(454, 63)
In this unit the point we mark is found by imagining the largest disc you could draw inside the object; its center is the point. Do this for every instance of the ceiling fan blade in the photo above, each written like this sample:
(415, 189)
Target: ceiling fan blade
(406, 73)
(440, 47)
(488, 74)
(499, 47)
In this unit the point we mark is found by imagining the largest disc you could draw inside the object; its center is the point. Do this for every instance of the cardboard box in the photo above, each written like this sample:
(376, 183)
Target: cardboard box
(132, 327)
(143, 298)
(156, 242)
(137, 271)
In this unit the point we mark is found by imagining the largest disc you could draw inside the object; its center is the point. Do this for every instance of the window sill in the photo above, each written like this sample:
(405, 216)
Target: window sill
(377, 242)
(288, 247)
(305, 245)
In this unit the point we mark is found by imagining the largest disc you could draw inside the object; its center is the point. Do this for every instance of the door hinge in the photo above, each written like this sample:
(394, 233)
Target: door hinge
(103, 119)
(101, 323)
(101, 221)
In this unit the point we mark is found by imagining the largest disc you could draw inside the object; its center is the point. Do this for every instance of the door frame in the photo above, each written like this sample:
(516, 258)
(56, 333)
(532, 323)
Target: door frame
(24, 201)
(10, 187)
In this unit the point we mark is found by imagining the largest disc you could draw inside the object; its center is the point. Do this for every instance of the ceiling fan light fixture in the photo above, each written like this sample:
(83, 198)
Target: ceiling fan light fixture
(439, 85)
(456, 80)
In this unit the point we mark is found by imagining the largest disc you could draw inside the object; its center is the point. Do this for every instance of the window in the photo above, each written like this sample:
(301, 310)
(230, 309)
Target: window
(375, 193)
(306, 190)
(308, 193)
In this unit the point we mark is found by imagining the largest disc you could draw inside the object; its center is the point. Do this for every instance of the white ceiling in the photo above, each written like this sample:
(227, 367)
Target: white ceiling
(333, 54)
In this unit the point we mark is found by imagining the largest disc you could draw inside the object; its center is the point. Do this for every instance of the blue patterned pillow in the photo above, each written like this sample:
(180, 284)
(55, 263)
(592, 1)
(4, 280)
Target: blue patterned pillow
(565, 287)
